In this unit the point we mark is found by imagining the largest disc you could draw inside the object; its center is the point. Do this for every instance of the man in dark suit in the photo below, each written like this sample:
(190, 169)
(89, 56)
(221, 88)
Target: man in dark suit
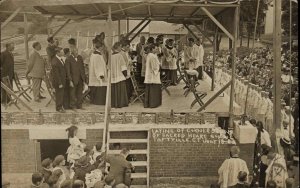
(52, 44)
(120, 168)
(76, 76)
(59, 76)
(7, 68)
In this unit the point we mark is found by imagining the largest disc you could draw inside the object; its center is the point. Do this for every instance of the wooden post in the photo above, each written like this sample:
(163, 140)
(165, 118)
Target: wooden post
(290, 81)
(108, 91)
(277, 66)
(119, 30)
(254, 33)
(139, 31)
(127, 24)
(87, 39)
(26, 41)
(234, 54)
(214, 60)
(77, 39)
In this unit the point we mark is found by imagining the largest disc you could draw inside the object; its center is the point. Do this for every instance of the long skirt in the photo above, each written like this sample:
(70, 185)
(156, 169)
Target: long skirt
(172, 76)
(129, 88)
(119, 96)
(98, 95)
(66, 102)
(153, 96)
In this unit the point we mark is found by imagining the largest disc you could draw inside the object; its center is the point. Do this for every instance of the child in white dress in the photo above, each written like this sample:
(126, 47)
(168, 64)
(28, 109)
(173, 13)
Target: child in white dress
(76, 148)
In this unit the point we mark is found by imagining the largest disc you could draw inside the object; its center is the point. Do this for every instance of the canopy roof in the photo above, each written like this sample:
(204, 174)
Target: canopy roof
(174, 11)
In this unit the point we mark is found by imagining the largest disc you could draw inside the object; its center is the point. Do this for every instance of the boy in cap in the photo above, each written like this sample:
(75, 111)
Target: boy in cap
(46, 169)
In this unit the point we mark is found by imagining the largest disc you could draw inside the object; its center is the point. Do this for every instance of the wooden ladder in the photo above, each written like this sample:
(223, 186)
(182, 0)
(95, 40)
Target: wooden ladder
(145, 152)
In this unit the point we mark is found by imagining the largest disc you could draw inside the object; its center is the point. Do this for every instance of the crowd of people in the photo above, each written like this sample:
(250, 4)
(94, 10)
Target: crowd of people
(253, 89)
(84, 167)
(270, 169)
(156, 60)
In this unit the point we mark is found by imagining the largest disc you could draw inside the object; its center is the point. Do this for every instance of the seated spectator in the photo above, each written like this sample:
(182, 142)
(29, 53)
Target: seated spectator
(59, 164)
(110, 181)
(56, 179)
(46, 169)
(271, 184)
(38, 181)
(97, 150)
(66, 184)
(83, 166)
(89, 152)
(242, 181)
(78, 184)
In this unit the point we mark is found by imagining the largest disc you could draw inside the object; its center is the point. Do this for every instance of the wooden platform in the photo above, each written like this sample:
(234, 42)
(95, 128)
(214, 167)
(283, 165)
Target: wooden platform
(176, 102)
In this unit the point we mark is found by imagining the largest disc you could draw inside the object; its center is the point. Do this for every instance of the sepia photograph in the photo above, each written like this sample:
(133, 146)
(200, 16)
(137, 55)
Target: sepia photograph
(149, 94)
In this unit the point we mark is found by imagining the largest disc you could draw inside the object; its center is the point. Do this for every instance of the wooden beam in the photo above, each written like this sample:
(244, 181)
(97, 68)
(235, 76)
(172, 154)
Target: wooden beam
(11, 17)
(217, 23)
(187, 27)
(73, 9)
(201, 31)
(149, 10)
(21, 12)
(255, 26)
(147, 23)
(61, 27)
(26, 37)
(80, 2)
(214, 96)
(42, 10)
(195, 11)
(108, 91)
(123, 11)
(119, 30)
(214, 59)
(172, 11)
(234, 58)
(277, 65)
(135, 28)
(97, 8)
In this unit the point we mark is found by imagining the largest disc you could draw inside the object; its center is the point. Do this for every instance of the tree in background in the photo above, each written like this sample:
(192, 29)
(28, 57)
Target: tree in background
(248, 16)
(286, 18)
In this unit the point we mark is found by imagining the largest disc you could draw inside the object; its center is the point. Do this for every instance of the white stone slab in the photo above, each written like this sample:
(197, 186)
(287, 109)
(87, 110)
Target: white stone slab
(245, 134)
(53, 133)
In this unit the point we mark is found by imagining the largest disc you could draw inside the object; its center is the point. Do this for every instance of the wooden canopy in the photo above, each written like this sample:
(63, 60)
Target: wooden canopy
(175, 11)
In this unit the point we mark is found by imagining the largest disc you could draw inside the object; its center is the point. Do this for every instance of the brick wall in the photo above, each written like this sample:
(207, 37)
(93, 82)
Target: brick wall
(18, 152)
(191, 159)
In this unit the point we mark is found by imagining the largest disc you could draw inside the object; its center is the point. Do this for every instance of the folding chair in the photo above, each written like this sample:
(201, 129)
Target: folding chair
(50, 88)
(188, 86)
(14, 96)
(199, 95)
(138, 93)
(22, 88)
(180, 75)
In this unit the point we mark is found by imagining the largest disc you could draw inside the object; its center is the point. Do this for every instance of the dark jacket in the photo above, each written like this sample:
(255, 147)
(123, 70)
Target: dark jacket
(119, 167)
(80, 172)
(7, 64)
(75, 69)
(36, 66)
(50, 52)
(58, 73)
(46, 174)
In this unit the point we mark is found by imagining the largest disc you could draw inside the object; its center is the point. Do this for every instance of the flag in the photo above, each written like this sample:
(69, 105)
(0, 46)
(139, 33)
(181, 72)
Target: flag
(257, 159)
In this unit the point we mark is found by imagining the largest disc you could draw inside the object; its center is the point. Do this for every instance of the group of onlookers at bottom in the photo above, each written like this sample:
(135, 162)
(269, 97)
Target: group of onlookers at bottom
(270, 169)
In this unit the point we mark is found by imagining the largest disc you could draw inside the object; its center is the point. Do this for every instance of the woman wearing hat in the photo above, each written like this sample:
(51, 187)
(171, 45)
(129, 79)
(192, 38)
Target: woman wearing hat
(83, 166)
(59, 165)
